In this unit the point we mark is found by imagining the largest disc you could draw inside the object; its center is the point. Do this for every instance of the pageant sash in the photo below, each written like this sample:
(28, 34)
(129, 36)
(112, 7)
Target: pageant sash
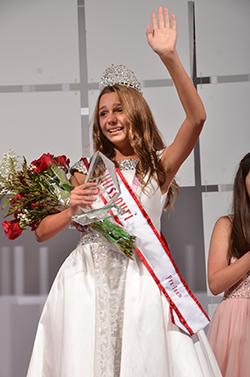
(153, 251)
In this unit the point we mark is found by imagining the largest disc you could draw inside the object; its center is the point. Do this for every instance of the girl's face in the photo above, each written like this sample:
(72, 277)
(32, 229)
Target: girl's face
(247, 180)
(113, 122)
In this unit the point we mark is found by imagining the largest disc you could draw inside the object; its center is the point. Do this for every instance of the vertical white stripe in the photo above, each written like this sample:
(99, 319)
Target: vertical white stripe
(43, 270)
(5, 271)
(18, 270)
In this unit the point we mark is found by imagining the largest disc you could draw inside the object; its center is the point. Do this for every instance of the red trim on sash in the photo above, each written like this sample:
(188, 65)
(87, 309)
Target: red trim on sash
(166, 249)
(183, 281)
(162, 241)
(163, 290)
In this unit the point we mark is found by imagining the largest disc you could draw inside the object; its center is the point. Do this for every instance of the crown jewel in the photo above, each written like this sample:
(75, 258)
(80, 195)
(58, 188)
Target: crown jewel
(119, 74)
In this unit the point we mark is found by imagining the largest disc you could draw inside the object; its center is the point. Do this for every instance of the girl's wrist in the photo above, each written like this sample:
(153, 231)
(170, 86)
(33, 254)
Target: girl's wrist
(69, 212)
(168, 56)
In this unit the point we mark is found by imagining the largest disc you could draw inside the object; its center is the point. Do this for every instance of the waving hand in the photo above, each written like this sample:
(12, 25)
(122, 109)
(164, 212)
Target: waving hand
(161, 32)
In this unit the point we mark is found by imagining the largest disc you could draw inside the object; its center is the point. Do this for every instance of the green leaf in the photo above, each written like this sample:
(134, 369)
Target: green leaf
(60, 174)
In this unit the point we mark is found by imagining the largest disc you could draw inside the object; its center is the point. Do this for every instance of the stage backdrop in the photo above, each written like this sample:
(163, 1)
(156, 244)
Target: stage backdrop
(52, 55)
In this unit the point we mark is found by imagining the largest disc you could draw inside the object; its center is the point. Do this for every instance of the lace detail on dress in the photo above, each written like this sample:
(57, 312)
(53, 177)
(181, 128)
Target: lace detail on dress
(110, 276)
(241, 290)
(127, 164)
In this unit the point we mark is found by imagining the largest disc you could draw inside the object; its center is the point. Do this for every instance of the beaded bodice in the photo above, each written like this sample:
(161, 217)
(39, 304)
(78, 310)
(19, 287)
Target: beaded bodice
(151, 198)
(123, 165)
(239, 290)
(127, 164)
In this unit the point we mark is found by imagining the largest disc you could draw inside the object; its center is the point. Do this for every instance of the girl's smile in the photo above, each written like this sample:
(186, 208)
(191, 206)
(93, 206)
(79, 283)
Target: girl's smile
(113, 121)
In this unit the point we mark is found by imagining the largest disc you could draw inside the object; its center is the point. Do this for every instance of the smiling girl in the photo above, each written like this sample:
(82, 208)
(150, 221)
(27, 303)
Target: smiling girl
(107, 315)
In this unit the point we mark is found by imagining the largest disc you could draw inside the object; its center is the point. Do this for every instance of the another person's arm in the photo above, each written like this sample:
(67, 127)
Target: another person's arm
(221, 275)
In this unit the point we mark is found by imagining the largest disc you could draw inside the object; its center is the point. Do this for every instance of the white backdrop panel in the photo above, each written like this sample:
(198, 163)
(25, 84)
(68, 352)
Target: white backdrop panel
(34, 123)
(168, 115)
(214, 205)
(222, 37)
(226, 135)
(39, 42)
(116, 34)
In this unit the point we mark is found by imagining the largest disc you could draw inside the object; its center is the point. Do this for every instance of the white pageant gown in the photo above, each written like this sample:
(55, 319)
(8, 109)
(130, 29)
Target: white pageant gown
(105, 316)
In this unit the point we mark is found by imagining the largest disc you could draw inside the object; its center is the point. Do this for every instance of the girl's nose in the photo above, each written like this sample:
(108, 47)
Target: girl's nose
(112, 119)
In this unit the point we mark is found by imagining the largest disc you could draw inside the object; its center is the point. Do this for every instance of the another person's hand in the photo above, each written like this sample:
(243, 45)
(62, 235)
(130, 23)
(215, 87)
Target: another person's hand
(161, 33)
(83, 196)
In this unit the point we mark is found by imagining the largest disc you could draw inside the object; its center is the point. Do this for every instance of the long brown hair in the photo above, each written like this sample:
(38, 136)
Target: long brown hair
(144, 136)
(240, 235)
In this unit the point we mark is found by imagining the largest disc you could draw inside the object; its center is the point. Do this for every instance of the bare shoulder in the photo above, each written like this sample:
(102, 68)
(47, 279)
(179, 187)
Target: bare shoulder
(223, 224)
(220, 243)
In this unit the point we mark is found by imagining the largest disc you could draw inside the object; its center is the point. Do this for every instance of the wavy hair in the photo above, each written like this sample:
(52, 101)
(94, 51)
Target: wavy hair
(240, 235)
(144, 137)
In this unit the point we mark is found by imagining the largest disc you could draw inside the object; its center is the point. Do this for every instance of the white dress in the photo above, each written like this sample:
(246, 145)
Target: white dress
(105, 316)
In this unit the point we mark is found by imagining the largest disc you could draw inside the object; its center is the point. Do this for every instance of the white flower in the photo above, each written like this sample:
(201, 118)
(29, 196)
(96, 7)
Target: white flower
(9, 161)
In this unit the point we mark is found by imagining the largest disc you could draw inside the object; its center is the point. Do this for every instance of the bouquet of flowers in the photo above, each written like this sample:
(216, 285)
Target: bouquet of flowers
(33, 191)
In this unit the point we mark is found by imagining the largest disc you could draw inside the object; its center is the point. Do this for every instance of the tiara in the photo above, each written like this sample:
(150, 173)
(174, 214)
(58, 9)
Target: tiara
(119, 74)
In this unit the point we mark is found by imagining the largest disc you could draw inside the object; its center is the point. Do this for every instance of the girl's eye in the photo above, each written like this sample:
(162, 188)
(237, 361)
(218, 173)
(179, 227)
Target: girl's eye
(118, 109)
(102, 113)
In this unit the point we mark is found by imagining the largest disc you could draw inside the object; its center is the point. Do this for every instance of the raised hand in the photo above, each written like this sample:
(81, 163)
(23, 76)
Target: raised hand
(161, 32)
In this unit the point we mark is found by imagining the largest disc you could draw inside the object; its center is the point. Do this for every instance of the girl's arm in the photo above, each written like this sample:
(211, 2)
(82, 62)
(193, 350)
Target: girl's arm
(82, 195)
(162, 39)
(53, 224)
(222, 276)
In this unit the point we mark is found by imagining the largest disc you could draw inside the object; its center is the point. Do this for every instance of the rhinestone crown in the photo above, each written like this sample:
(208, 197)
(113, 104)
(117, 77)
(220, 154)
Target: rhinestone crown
(119, 74)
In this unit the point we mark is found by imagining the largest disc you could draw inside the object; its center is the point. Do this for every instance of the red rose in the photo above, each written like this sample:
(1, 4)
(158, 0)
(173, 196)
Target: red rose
(63, 161)
(33, 226)
(43, 162)
(16, 197)
(12, 229)
(19, 196)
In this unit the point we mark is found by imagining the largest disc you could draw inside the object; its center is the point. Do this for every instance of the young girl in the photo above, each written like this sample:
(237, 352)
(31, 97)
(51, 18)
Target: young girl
(229, 272)
(107, 315)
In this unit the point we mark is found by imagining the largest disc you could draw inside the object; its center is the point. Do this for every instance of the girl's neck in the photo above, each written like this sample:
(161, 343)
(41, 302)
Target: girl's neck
(127, 154)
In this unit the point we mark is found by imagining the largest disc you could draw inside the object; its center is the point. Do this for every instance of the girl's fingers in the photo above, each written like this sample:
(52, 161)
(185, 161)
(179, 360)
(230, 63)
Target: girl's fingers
(166, 17)
(82, 190)
(84, 195)
(85, 192)
(87, 185)
(82, 202)
(161, 18)
(149, 31)
(154, 21)
(173, 22)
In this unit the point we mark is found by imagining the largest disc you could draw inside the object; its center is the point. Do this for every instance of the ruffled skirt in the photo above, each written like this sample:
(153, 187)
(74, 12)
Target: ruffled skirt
(105, 317)
(229, 336)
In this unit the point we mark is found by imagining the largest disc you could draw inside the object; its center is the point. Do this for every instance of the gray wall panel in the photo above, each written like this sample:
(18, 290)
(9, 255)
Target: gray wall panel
(39, 85)
(39, 42)
(222, 37)
(226, 136)
(116, 34)
(37, 122)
